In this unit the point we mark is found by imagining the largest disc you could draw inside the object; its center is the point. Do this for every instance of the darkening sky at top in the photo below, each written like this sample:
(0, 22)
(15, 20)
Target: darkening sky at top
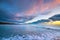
(24, 9)
(16, 5)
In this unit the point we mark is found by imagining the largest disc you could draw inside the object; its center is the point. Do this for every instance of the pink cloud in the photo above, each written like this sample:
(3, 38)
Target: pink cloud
(41, 7)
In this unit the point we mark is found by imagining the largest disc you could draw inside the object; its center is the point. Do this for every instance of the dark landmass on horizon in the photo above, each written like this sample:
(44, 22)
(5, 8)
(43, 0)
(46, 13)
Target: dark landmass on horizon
(6, 23)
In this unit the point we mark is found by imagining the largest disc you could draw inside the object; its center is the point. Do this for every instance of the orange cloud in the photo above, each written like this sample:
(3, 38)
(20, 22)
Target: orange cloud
(58, 1)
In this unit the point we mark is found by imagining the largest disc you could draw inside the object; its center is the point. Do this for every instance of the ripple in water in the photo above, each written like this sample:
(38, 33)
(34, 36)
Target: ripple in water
(38, 34)
(41, 36)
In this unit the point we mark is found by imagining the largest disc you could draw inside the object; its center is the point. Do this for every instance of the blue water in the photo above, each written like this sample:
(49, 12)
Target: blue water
(28, 32)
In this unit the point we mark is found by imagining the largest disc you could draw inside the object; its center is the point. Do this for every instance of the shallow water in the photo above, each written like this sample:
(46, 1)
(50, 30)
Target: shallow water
(28, 32)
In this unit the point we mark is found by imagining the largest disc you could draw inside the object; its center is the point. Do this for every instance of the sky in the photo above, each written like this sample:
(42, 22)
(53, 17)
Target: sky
(50, 14)
(24, 10)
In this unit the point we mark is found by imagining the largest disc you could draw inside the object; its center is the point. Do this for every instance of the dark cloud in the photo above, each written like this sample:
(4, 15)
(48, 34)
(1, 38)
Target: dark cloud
(55, 17)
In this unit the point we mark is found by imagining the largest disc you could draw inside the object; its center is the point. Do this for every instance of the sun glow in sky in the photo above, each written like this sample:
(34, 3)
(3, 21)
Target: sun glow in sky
(56, 23)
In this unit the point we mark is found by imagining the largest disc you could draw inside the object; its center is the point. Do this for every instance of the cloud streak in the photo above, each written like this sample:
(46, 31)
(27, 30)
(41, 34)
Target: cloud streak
(47, 16)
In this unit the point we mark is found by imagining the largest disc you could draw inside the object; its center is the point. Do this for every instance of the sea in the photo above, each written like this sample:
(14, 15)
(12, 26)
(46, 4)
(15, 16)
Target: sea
(29, 32)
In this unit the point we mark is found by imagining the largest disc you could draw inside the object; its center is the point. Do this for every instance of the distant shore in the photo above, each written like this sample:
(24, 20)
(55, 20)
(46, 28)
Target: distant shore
(6, 23)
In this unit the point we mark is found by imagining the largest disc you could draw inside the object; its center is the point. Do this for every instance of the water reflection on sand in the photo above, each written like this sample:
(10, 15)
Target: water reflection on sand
(28, 32)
